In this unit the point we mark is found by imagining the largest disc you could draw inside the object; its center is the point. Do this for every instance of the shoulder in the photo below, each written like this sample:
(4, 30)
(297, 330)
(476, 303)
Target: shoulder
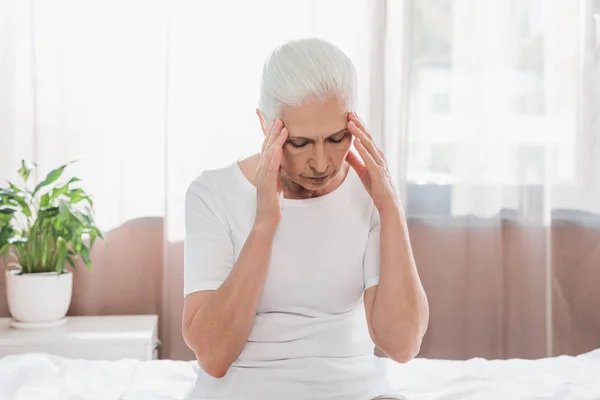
(212, 182)
(211, 189)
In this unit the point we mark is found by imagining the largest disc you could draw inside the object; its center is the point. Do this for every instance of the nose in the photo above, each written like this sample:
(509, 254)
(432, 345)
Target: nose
(319, 159)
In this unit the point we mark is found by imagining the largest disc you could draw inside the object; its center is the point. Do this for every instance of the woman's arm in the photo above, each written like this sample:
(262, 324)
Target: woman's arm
(216, 324)
(397, 308)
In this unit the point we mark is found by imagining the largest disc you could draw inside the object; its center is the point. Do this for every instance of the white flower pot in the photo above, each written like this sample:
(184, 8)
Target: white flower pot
(40, 297)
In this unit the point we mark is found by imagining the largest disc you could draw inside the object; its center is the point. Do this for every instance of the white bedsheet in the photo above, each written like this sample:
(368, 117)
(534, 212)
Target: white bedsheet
(45, 377)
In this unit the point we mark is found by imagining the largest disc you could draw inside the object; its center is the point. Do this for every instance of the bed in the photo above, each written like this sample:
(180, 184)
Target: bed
(46, 377)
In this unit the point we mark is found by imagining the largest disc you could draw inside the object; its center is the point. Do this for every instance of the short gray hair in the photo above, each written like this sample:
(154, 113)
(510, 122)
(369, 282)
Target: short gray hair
(304, 70)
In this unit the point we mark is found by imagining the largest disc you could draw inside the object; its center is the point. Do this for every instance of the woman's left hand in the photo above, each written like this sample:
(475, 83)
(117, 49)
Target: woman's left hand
(374, 172)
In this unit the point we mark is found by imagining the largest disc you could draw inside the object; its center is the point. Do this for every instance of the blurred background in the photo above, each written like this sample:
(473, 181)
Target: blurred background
(487, 110)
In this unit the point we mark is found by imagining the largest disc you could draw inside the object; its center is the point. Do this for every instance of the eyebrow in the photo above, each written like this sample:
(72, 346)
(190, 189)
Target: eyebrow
(312, 140)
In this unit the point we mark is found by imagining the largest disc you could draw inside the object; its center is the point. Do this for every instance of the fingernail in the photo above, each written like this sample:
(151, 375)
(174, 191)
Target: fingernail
(352, 124)
(354, 114)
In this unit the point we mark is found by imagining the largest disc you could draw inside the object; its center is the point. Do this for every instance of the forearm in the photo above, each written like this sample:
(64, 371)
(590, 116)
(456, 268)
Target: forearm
(400, 310)
(221, 326)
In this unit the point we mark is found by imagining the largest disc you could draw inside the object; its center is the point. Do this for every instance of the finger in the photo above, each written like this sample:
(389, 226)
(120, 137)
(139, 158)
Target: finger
(272, 134)
(358, 122)
(355, 162)
(360, 168)
(276, 131)
(274, 164)
(267, 137)
(265, 161)
(281, 138)
(367, 143)
(370, 162)
(279, 183)
(360, 125)
(276, 146)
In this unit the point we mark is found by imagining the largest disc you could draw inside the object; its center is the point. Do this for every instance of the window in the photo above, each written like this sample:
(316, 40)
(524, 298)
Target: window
(493, 91)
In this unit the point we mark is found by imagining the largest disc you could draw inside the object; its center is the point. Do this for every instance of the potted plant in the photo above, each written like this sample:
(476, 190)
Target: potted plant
(42, 228)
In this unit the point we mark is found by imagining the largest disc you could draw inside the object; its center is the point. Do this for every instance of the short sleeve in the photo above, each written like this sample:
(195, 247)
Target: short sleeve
(372, 253)
(208, 248)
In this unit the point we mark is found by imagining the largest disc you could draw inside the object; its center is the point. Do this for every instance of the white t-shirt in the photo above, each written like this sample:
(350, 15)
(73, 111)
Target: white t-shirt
(310, 338)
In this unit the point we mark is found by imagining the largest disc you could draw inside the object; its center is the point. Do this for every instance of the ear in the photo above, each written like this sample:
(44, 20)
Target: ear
(261, 121)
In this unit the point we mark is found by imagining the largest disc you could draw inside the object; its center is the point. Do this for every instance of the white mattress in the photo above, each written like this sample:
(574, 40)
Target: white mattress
(45, 377)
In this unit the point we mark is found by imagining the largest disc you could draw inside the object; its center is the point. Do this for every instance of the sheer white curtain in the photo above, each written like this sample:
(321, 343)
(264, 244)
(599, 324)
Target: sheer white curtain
(501, 167)
(480, 107)
(498, 100)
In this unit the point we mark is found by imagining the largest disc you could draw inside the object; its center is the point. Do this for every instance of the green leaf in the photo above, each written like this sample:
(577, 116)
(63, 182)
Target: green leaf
(5, 221)
(45, 200)
(7, 209)
(76, 195)
(65, 190)
(4, 250)
(6, 233)
(15, 188)
(48, 212)
(98, 232)
(26, 169)
(5, 193)
(61, 254)
(85, 256)
(51, 177)
(94, 234)
(57, 192)
(15, 199)
(66, 212)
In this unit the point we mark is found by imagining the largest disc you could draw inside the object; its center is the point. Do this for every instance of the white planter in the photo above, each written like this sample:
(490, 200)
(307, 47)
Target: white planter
(41, 297)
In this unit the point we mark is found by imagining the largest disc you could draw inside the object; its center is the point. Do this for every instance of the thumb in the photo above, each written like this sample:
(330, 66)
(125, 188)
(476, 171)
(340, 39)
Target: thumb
(357, 164)
(279, 183)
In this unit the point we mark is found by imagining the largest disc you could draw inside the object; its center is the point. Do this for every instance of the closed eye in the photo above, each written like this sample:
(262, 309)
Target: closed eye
(297, 145)
(338, 139)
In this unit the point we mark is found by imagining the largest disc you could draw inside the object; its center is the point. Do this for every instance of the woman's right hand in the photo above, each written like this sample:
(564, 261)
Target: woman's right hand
(268, 183)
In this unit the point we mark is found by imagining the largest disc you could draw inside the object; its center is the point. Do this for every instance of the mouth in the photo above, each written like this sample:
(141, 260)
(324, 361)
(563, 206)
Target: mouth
(319, 180)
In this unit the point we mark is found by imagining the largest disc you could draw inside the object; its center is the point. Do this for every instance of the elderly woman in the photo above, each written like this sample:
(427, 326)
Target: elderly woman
(297, 259)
